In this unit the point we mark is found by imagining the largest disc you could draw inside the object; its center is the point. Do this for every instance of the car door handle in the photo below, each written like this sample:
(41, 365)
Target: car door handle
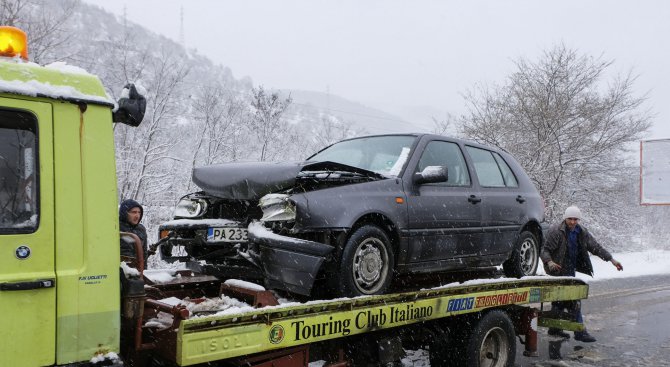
(474, 199)
(25, 286)
(521, 199)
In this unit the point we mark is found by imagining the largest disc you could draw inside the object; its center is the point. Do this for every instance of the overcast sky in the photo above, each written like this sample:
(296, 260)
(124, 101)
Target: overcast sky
(395, 54)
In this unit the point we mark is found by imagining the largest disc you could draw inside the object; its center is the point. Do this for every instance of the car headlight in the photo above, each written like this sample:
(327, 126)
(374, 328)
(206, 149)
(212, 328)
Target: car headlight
(277, 207)
(190, 208)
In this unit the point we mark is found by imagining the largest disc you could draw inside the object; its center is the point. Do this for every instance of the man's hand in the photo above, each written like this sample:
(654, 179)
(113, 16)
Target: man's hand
(617, 264)
(553, 266)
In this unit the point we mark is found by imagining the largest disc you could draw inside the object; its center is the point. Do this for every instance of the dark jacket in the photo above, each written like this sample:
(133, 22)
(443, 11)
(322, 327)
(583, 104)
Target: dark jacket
(556, 248)
(128, 249)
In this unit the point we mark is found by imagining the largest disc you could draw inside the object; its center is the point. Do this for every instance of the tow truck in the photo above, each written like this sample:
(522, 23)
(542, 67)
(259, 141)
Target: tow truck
(65, 303)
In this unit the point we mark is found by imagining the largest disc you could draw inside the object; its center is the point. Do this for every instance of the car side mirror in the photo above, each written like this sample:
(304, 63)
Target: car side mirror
(132, 106)
(431, 174)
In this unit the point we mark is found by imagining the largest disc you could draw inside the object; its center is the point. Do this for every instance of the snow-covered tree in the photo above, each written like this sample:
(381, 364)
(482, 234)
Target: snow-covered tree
(569, 126)
(44, 24)
(218, 117)
(267, 124)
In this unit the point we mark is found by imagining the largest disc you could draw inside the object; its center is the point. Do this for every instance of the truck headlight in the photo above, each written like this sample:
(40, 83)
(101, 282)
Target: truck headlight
(190, 208)
(277, 207)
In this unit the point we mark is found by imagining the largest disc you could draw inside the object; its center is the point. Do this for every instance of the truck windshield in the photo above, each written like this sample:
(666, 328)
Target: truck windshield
(385, 155)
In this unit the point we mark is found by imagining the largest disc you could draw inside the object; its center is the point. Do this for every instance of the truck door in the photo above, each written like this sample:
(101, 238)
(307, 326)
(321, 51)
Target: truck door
(27, 279)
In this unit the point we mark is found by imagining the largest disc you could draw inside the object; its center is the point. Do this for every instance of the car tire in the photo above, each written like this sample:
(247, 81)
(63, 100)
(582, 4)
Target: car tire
(525, 257)
(492, 342)
(367, 263)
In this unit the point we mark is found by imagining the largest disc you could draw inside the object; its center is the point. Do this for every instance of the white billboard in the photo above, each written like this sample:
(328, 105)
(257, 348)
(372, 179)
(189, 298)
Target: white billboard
(655, 172)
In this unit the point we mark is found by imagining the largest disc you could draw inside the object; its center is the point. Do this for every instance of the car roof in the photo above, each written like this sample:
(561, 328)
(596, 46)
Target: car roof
(433, 137)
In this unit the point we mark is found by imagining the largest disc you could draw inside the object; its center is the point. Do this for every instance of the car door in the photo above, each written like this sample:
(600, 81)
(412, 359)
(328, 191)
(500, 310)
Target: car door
(502, 205)
(27, 279)
(445, 217)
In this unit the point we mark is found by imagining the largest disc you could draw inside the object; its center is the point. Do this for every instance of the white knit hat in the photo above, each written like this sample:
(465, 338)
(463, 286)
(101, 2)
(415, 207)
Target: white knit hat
(572, 212)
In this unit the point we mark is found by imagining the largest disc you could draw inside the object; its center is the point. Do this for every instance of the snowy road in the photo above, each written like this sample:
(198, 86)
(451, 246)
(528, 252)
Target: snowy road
(631, 319)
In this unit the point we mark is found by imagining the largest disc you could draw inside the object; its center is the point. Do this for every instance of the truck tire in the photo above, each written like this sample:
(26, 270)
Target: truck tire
(524, 258)
(367, 263)
(492, 342)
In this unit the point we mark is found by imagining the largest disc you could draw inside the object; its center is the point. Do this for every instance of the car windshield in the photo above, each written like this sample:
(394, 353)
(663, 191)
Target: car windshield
(385, 155)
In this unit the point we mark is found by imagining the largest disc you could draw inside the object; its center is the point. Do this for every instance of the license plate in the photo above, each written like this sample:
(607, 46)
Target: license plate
(226, 234)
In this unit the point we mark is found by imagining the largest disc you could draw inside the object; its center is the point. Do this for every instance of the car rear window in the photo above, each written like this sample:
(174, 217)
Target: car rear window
(508, 175)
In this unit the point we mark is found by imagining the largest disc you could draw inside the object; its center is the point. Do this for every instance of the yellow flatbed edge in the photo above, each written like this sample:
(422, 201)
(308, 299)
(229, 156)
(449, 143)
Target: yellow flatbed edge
(220, 337)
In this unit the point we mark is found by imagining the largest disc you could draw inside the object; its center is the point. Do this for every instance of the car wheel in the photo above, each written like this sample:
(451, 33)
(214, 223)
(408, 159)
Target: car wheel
(491, 342)
(524, 258)
(367, 263)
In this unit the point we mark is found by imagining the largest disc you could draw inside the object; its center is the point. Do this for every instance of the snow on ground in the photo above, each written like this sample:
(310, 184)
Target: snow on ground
(649, 262)
(416, 358)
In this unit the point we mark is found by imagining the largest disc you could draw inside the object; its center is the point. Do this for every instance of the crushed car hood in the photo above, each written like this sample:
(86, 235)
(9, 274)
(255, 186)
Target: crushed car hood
(252, 180)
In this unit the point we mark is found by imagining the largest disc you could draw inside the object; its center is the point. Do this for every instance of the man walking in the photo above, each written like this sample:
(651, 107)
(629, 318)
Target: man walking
(565, 252)
(130, 215)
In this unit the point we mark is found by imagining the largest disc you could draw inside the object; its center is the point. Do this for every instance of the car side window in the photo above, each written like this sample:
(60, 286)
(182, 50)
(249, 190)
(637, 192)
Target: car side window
(18, 172)
(486, 167)
(442, 153)
(508, 175)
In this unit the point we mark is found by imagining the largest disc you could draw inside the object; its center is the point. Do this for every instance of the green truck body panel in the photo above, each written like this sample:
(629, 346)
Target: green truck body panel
(87, 232)
(78, 229)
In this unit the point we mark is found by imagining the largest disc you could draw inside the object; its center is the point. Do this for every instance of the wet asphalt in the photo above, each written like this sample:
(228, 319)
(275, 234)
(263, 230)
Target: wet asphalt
(630, 318)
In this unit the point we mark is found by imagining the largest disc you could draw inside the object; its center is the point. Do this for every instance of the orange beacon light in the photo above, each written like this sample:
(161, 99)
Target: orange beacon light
(13, 42)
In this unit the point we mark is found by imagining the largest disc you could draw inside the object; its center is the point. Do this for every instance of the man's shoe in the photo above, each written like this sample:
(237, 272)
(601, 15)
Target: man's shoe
(584, 337)
(559, 333)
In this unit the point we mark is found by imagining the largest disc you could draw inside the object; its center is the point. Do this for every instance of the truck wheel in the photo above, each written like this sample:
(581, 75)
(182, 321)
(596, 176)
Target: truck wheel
(492, 343)
(367, 263)
(524, 258)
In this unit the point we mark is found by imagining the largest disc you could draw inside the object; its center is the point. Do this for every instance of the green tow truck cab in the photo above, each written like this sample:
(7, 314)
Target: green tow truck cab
(64, 303)
(59, 291)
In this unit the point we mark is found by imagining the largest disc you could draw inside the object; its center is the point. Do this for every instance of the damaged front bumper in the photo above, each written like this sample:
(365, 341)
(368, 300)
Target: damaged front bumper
(217, 247)
(289, 263)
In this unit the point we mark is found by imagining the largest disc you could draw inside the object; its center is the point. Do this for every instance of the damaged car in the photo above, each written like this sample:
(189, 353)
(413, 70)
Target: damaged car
(358, 213)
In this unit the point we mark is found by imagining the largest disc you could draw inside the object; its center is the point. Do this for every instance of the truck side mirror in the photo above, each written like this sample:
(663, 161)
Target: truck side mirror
(132, 105)
(431, 174)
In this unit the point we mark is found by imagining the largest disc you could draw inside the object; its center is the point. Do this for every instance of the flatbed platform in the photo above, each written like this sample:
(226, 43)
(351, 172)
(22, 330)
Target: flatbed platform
(230, 334)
